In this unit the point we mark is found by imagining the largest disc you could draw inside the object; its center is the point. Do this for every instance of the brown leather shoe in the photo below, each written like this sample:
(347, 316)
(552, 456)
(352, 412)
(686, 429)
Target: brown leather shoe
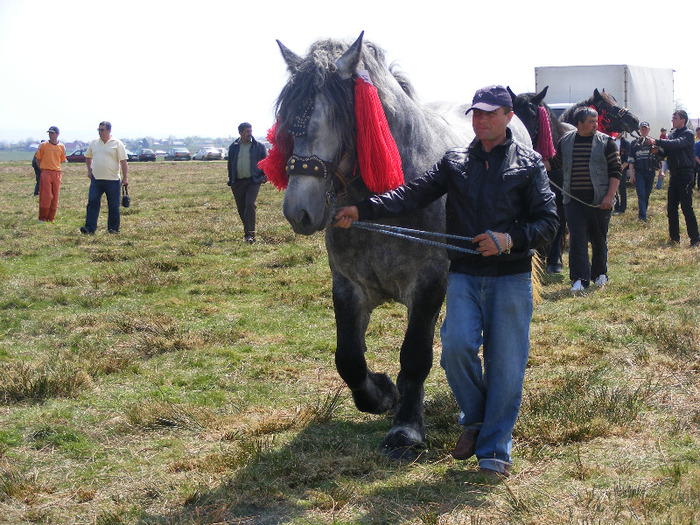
(494, 474)
(464, 449)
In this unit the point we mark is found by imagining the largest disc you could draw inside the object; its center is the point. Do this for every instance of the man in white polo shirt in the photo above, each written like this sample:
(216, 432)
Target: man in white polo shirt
(106, 161)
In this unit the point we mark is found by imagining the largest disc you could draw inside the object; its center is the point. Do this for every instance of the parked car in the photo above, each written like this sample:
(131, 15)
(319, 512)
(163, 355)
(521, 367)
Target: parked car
(160, 153)
(208, 154)
(224, 153)
(146, 155)
(178, 154)
(77, 156)
(133, 157)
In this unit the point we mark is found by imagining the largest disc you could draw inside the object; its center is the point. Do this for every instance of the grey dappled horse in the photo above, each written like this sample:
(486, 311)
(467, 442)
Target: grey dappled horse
(315, 112)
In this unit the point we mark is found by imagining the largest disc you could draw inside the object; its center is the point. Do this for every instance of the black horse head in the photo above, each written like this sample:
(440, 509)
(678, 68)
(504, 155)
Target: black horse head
(526, 107)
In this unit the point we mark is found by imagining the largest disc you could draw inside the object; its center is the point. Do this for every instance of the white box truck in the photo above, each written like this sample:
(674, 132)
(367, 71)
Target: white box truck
(645, 91)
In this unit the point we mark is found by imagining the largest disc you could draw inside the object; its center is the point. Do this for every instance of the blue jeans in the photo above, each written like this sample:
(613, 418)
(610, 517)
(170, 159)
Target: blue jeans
(112, 188)
(643, 182)
(494, 312)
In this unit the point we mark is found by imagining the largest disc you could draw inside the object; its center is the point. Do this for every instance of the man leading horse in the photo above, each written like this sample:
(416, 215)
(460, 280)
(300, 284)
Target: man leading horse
(497, 194)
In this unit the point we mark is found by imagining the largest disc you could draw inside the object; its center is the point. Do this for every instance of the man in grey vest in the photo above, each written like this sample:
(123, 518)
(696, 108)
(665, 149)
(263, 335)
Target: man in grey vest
(592, 170)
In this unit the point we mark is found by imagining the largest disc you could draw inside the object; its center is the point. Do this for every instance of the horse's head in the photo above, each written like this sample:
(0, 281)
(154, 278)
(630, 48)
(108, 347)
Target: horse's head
(613, 117)
(315, 117)
(526, 107)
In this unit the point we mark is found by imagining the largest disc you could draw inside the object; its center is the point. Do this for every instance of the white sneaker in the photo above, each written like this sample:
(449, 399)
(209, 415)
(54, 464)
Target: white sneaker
(601, 280)
(578, 286)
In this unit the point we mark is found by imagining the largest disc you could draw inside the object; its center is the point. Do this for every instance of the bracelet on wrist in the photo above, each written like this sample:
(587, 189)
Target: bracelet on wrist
(509, 244)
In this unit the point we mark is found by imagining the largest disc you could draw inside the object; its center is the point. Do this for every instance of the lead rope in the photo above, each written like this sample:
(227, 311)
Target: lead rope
(574, 198)
(415, 235)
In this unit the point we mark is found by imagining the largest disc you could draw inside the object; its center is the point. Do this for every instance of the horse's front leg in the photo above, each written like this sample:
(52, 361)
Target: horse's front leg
(408, 428)
(372, 392)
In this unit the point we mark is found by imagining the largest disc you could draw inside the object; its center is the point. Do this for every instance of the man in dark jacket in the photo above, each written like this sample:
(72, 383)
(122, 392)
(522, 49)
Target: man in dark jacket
(245, 177)
(498, 195)
(678, 149)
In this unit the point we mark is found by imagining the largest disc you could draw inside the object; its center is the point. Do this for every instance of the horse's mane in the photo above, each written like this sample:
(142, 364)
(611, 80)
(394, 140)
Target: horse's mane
(317, 74)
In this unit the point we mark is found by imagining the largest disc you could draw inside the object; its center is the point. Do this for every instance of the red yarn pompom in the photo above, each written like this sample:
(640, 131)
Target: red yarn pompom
(545, 145)
(378, 156)
(275, 164)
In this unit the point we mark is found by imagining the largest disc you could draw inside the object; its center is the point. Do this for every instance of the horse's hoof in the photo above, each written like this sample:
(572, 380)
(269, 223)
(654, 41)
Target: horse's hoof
(402, 443)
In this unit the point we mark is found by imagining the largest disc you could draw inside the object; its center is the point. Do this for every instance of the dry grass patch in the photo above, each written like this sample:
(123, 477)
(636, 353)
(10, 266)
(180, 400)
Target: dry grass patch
(20, 381)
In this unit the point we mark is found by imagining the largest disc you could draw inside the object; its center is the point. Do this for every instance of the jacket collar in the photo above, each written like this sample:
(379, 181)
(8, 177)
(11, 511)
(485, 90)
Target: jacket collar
(476, 149)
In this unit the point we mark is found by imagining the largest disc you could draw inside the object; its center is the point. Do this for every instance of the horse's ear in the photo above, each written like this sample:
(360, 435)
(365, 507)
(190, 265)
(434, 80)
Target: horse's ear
(596, 94)
(537, 99)
(513, 96)
(292, 59)
(347, 64)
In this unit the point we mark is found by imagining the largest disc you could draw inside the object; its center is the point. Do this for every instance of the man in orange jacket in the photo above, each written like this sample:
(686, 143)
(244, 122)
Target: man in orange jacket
(50, 156)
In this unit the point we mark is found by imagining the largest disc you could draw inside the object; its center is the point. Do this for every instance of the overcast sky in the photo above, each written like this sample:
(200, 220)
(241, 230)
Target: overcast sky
(162, 68)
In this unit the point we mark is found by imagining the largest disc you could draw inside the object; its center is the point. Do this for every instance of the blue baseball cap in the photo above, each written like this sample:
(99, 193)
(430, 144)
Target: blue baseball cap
(491, 98)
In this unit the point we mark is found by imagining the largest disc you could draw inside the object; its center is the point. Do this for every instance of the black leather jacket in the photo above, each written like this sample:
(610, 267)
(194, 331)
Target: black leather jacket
(257, 153)
(505, 190)
(679, 149)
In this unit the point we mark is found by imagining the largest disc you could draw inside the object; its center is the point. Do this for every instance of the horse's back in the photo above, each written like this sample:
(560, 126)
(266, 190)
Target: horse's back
(453, 114)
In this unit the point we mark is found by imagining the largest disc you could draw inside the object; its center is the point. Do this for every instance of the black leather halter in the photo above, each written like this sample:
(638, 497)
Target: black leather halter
(339, 174)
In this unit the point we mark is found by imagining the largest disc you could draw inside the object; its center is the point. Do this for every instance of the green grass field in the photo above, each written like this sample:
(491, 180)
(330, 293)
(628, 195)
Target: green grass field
(174, 374)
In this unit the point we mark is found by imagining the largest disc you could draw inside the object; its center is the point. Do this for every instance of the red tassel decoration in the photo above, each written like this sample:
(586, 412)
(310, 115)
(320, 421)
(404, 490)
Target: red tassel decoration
(378, 156)
(545, 145)
(275, 164)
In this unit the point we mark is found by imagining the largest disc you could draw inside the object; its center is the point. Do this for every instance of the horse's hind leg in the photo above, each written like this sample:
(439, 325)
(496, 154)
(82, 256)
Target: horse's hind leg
(408, 428)
(372, 392)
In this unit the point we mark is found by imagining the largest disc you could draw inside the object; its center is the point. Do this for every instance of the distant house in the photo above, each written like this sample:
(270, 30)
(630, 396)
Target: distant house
(76, 144)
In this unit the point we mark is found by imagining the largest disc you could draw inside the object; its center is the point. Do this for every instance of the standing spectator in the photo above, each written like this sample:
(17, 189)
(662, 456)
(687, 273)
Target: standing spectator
(37, 171)
(50, 156)
(679, 151)
(489, 293)
(106, 168)
(623, 146)
(664, 165)
(642, 167)
(245, 177)
(697, 157)
(592, 171)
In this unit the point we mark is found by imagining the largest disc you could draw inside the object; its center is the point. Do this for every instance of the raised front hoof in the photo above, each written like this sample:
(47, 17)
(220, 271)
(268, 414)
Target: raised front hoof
(377, 395)
(403, 444)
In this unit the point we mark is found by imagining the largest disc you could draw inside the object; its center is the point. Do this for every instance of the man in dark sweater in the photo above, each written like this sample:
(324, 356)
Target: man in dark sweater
(592, 170)
(642, 169)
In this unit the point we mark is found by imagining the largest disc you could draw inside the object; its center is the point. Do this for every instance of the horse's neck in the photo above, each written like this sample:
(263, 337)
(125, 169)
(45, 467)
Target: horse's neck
(423, 135)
